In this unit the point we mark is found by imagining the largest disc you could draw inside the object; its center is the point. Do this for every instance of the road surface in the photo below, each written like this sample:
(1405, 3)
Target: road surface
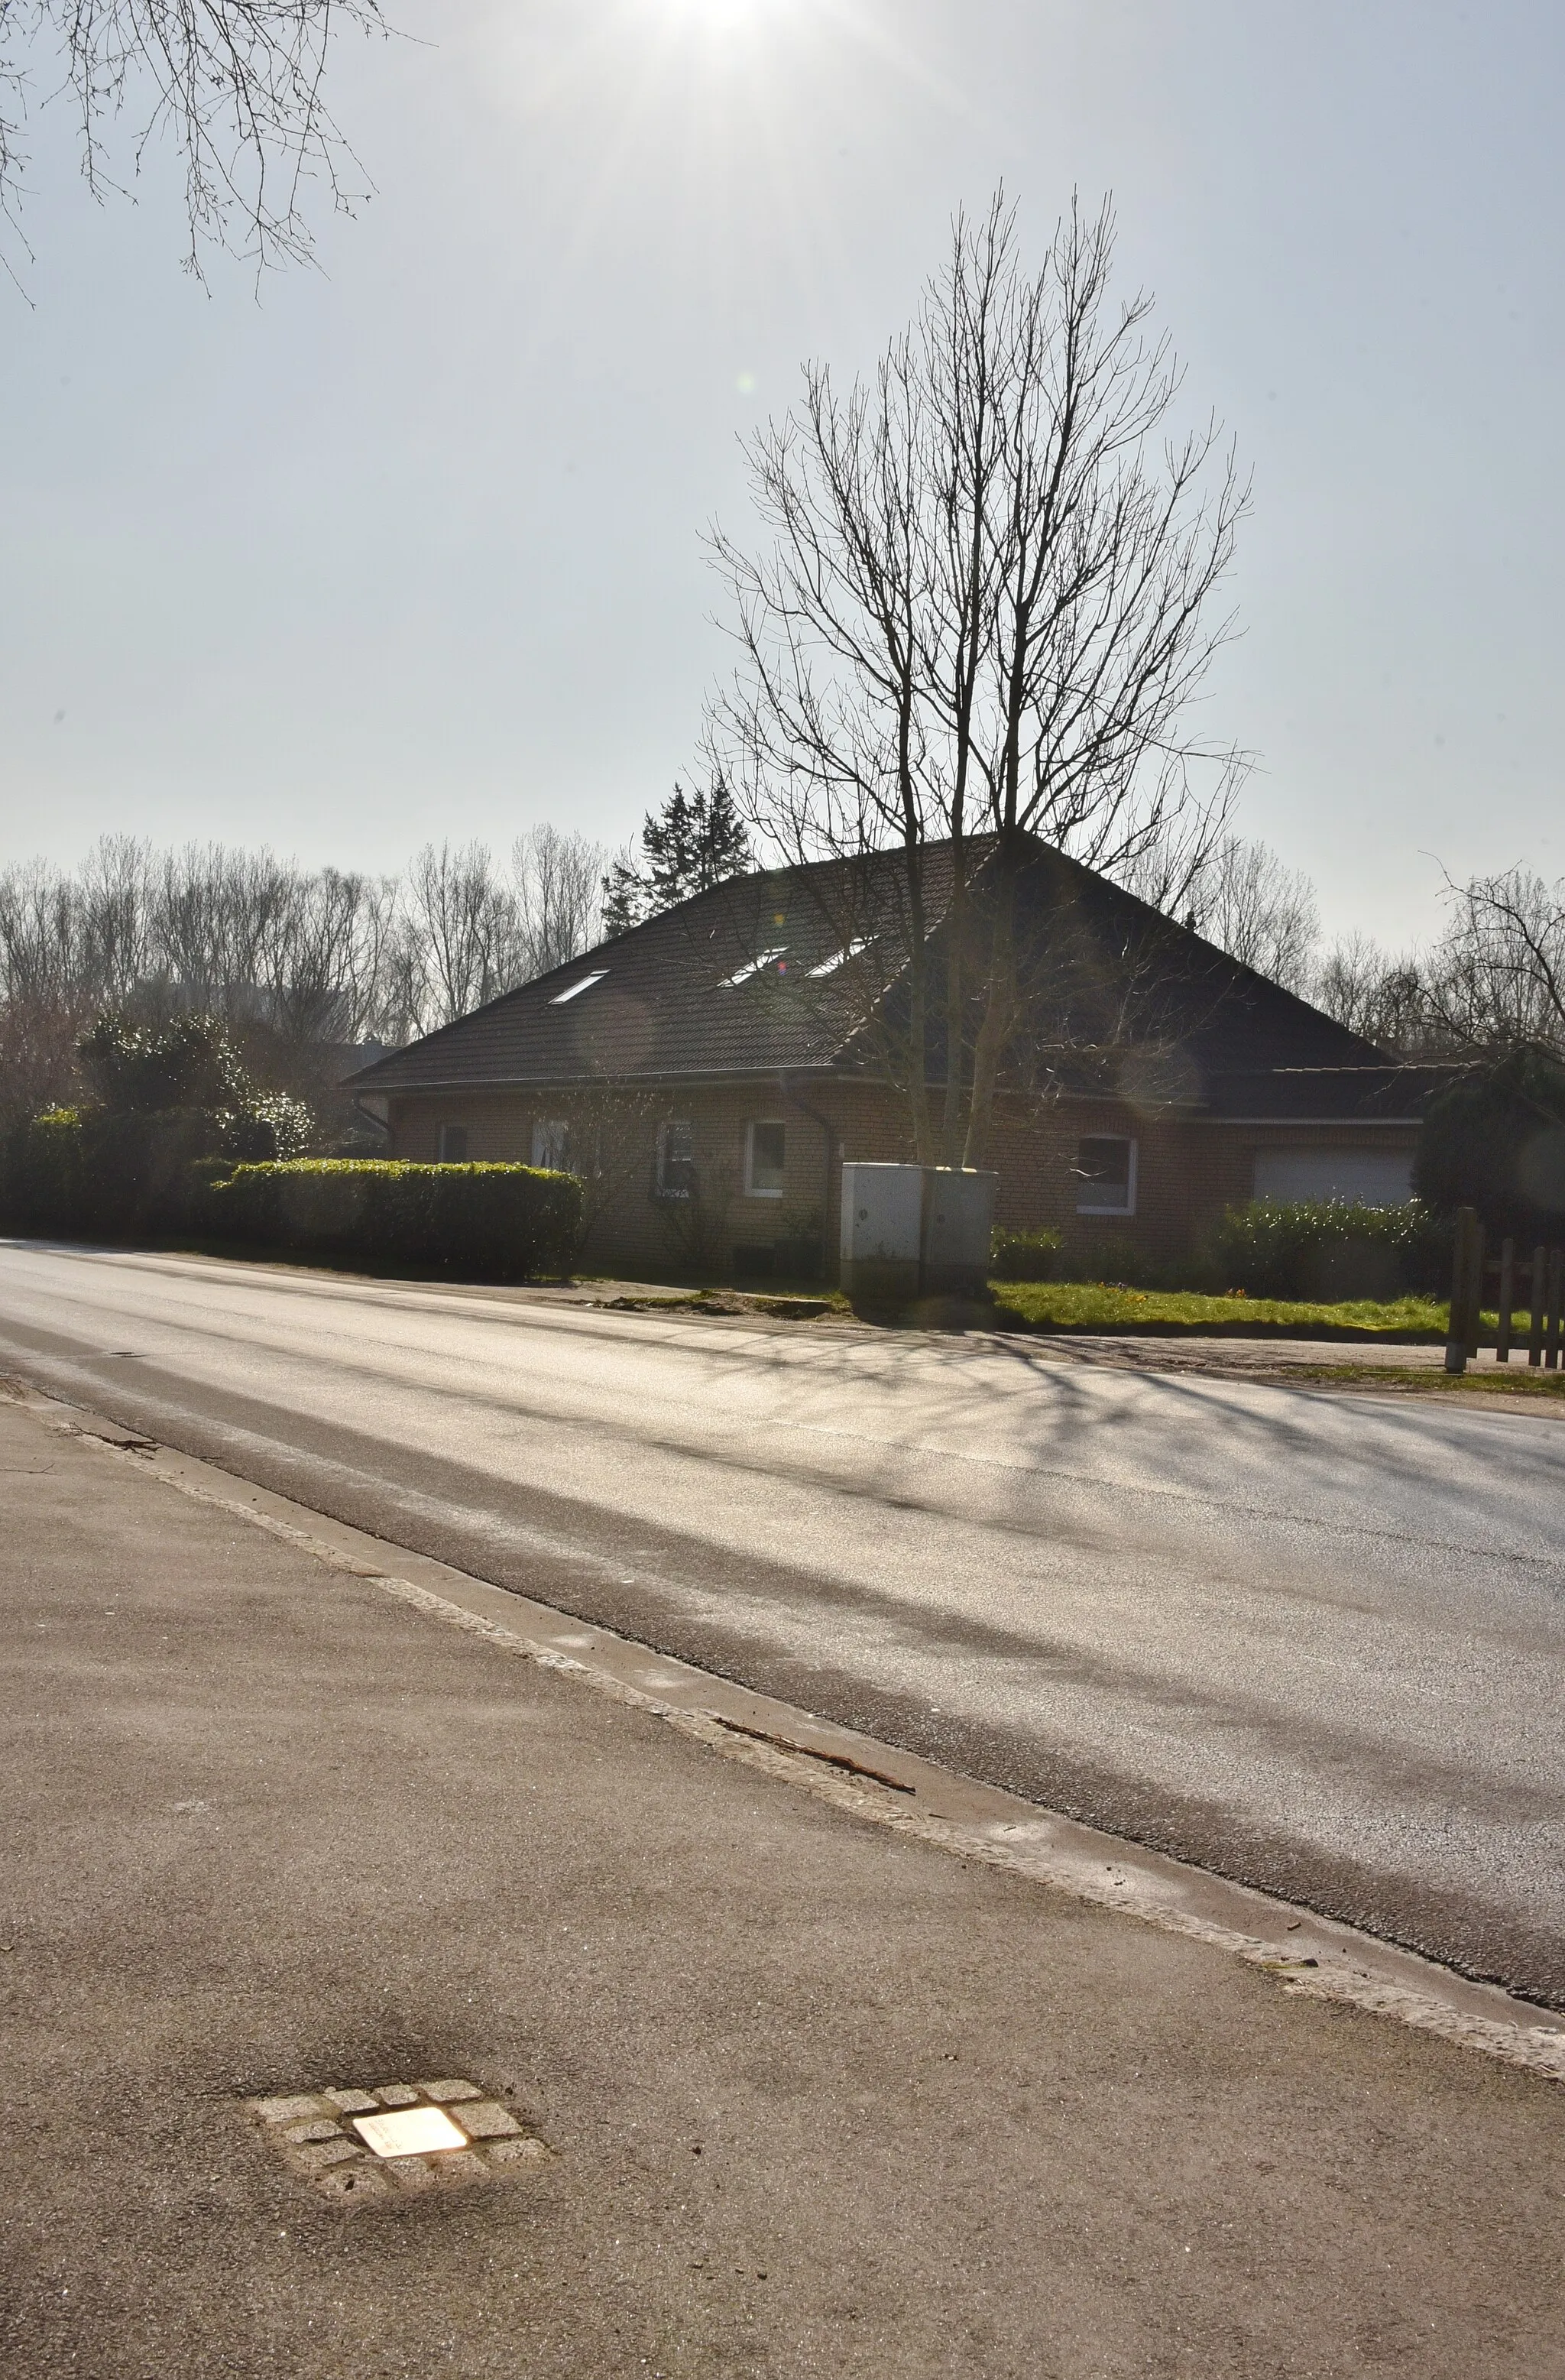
(1313, 1641)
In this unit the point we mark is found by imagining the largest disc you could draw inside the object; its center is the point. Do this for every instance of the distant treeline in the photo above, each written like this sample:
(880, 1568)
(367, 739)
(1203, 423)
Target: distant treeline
(301, 965)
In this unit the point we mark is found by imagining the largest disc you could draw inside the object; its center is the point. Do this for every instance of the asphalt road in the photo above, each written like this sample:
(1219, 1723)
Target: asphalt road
(1310, 1640)
(817, 2098)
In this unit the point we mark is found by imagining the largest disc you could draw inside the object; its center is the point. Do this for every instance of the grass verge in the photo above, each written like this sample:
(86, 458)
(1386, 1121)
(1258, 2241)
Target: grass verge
(1499, 1379)
(1109, 1306)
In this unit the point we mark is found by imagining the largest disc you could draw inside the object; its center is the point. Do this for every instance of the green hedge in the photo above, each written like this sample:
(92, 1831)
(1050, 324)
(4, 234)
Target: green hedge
(1329, 1250)
(1024, 1256)
(484, 1222)
(100, 1173)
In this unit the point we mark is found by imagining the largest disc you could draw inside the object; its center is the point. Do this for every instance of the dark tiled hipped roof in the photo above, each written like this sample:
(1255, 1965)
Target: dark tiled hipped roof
(667, 1004)
(747, 980)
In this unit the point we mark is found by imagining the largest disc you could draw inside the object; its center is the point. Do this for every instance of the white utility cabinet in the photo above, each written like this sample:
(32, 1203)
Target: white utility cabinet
(958, 1230)
(882, 1235)
(911, 1231)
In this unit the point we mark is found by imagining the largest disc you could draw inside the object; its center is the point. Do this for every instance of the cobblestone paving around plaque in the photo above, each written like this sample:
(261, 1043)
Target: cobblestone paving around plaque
(317, 2134)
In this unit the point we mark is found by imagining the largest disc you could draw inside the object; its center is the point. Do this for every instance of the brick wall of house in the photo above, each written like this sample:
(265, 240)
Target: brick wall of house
(635, 1229)
(1188, 1168)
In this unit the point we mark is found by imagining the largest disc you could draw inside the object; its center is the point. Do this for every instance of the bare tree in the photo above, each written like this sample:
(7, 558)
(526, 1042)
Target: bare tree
(558, 881)
(237, 85)
(1497, 977)
(1494, 979)
(322, 960)
(983, 617)
(46, 1003)
(461, 933)
(1381, 997)
(1263, 913)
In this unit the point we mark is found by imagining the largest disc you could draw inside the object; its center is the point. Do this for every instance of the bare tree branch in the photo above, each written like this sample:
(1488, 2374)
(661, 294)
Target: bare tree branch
(236, 85)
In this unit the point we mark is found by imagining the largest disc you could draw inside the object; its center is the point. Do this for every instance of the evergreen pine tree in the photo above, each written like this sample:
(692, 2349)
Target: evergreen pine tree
(694, 842)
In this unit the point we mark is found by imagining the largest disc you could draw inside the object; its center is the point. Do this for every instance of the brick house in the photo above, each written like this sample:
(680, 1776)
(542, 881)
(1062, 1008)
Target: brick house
(709, 1072)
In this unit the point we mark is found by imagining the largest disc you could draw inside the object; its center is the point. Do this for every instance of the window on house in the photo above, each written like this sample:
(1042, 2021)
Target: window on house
(840, 958)
(574, 990)
(1105, 1171)
(763, 1159)
(454, 1144)
(550, 1144)
(755, 966)
(676, 1161)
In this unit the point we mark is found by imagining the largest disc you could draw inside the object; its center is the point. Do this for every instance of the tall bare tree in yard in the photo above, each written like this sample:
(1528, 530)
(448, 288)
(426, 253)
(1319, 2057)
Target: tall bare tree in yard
(986, 609)
(236, 86)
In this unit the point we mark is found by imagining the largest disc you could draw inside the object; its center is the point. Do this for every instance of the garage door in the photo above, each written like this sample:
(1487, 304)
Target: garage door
(1365, 1177)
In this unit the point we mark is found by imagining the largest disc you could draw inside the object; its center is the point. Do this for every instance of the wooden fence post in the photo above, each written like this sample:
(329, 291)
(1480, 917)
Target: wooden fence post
(1534, 1325)
(1475, 1290)
(1457, 1329)
(1551, 1357)
(1507, 1299)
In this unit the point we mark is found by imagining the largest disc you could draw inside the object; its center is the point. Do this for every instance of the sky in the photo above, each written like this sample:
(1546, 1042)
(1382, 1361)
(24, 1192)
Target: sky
(410, 547)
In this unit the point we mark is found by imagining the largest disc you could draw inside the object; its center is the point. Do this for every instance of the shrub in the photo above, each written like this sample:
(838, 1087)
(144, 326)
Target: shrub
(1024, 1256)
(100, 1173)
(1328, 1249)
(1114, 1257)
(43, 1190)
(187, 1064)
(484, 1222)
(1494, 1139)
(173, 1108)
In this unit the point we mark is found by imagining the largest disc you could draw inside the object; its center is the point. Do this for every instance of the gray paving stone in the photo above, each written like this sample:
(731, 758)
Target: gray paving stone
(317, 2155)
(409, 2173)
(352, 2103)
(523, 2152)
(285, 2111)
(487, 2120)
(447, 2093)
(396, 2095)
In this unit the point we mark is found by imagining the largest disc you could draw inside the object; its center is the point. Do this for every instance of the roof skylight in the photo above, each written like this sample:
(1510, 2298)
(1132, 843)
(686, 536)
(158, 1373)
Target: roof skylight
(574, 990)
(758, 965)
(840, 958)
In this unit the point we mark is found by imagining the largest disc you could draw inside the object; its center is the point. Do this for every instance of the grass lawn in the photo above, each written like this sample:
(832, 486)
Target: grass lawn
(1102, 1306)
(1512, 1380)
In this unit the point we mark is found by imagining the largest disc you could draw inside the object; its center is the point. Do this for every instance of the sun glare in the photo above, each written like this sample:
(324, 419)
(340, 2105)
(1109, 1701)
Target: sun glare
(721, 16)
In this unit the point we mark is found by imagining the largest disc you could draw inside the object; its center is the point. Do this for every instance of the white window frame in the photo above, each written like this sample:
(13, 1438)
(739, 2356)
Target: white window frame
(753, 967)
(1086, 1207)
(762, 1123)
(550, 1133)
(442, 1159)
(839, 958)
(572, 990)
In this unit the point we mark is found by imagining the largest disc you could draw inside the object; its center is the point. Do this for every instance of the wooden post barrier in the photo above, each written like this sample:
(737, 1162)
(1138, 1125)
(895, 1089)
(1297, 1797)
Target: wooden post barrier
(1466, 1282)
(1507, 1299)
(1468, 1272)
